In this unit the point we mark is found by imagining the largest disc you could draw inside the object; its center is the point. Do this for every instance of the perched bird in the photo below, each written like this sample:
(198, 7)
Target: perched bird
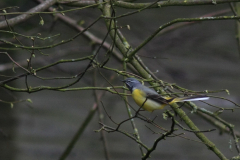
(150, 100)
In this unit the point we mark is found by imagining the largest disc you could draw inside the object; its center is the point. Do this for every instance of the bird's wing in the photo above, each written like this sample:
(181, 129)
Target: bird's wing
(154, 96)
(159, 99)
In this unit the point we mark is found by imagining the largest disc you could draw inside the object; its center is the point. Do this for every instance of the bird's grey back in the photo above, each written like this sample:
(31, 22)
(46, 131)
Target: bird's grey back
(147, 90)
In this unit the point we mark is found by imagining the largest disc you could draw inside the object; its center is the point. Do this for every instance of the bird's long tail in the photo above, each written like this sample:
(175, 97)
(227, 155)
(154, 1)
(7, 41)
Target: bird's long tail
(192, 98)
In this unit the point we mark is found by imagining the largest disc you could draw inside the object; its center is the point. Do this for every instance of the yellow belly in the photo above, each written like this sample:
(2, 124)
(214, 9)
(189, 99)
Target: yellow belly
(150, 105)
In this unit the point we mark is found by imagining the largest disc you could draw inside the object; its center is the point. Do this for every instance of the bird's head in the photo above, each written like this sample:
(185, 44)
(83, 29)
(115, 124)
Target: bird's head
(131, 83)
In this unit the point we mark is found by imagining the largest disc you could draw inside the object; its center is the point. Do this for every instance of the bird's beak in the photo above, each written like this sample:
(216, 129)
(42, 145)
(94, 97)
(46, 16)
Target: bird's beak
(123, 81)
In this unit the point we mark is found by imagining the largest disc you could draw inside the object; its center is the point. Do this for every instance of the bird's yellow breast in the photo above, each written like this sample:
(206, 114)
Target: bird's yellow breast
(150, 105)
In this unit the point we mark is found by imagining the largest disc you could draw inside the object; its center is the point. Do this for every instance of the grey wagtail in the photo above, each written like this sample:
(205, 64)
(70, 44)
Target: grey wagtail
(150, 100)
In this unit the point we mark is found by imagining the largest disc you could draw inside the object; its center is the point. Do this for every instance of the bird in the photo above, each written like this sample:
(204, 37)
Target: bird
(149, 100)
